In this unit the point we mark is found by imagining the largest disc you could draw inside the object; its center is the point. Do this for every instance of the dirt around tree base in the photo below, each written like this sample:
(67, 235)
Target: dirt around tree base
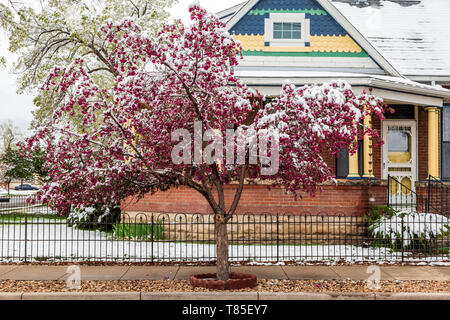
(237, 281)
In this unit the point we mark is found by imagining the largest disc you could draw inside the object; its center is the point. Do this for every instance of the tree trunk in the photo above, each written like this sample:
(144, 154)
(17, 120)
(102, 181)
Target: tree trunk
(222, 250)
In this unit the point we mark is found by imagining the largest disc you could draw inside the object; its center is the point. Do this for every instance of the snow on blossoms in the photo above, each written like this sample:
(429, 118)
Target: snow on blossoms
(312, 120)
(104, 146)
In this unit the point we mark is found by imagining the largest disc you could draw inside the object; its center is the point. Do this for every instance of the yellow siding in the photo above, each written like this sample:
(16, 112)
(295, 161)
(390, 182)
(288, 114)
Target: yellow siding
(317, 43)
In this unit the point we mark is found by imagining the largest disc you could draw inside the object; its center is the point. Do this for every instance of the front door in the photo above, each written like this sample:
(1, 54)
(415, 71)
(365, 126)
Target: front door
(400, 160)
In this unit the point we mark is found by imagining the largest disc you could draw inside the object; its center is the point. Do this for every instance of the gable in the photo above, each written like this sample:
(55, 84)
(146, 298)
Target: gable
(325, 38)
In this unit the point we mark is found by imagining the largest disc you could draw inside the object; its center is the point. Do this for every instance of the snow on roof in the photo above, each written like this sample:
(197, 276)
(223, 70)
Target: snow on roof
(226, 14)
(273, 77)
(414, 35)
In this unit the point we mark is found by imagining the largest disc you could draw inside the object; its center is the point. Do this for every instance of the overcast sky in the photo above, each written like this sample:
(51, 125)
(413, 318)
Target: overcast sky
(18, 107)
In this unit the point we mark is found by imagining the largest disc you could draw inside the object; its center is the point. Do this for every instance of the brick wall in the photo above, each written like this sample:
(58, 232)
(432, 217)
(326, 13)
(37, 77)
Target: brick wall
(345, 200)
(330, 161)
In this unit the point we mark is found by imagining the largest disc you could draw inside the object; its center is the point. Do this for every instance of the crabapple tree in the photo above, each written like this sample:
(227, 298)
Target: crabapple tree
(183, 80)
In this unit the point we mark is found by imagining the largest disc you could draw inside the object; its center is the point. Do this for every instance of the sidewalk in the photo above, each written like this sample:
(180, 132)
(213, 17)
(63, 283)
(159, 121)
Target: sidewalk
(357, 273)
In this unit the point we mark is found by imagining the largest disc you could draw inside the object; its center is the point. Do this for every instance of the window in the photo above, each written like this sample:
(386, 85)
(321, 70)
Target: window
(399, 139)
(342, 165)
(287, 30)
(446, 143)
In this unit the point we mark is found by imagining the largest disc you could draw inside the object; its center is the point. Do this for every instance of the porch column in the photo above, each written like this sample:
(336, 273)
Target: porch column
(353, 166)
(368, 154)
(433, 141)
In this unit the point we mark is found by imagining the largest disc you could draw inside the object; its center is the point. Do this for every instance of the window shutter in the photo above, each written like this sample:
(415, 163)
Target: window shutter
(342, 165)
(446, 143)
(446, 124)
(446, 160)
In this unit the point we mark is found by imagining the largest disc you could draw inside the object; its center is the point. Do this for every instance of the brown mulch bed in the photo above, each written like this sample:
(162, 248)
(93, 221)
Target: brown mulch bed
(263, 286)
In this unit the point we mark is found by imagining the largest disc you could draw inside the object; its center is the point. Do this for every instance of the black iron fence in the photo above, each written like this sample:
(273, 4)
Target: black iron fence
(434, 197)
(33, 233)
(438, 196)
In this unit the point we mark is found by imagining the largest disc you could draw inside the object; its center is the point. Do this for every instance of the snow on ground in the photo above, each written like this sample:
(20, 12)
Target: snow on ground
(29, 210)
(13, 192)
(78, 245)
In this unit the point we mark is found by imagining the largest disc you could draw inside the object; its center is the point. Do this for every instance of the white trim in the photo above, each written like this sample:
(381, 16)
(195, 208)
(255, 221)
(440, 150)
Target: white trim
(340, 18)
(406, 97)
(394, 84)
(230, 11)
(289, 18)
(241, 13)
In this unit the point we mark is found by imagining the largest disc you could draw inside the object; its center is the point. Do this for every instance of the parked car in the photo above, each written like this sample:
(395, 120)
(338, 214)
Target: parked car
(26, 187)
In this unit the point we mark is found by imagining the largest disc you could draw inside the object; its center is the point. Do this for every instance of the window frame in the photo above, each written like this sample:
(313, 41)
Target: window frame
(287, 18)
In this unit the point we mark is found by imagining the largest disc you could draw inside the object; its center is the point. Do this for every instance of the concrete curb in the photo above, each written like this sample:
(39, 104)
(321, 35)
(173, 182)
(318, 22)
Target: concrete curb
(11, 296)
(315, 296)
(82, 296)
(199, 296)
(218, 296)
(413, 296)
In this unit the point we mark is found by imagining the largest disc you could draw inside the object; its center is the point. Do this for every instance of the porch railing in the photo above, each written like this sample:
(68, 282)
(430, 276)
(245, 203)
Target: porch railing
(401, 197)
(438, 196)
(434, 199)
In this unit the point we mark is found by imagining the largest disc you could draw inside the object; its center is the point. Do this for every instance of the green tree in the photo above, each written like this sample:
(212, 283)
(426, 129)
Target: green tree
(9, 134)
(48, 33)
(23, 167)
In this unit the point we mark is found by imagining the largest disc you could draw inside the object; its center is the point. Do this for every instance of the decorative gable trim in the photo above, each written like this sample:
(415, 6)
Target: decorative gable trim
(340, 19)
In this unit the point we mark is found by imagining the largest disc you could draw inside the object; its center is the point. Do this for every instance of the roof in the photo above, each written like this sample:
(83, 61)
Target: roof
(391, 89)
(412, 34)
(274, 77)
(226, 14)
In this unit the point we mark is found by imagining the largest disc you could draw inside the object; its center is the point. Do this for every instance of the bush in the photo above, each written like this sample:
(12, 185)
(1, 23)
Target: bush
(376, 213)
(408, 230)
(138, 231)
(97, 217)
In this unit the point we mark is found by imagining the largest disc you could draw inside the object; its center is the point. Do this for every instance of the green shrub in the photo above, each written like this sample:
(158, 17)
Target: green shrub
(376, 213)
(138, 231)
(412, 231)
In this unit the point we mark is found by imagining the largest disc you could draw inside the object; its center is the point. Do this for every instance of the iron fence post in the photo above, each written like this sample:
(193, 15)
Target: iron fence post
(402, 240)
(278, 238)
(26, 236)
(152, 238)
(429, 194)
(388, 188)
